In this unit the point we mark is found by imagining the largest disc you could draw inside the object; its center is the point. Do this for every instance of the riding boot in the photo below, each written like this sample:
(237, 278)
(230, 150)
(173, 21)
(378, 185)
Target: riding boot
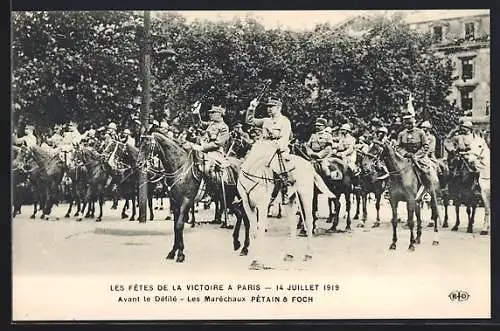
(418, 196)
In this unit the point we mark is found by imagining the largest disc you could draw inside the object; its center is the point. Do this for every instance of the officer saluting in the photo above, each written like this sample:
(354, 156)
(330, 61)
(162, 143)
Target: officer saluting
(216, 130)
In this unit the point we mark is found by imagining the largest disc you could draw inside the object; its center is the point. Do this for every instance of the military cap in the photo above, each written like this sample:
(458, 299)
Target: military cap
(217, 109)
(274, 102)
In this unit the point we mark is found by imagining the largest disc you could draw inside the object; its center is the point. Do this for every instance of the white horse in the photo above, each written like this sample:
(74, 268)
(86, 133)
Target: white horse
(255, 186)
(480, 156)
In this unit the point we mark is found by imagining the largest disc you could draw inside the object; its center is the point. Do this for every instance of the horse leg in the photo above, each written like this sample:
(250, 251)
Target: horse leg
(418, 215)
(411, 206)
(175, 211)
(134, 208)
(330, 212)
(34, 206)
(358, 195)
(101, 203)
(150, 205)
(125, 207)
(348, 210)
(333, 228)
(457, 213)
(193, 219)
(470, 218)
(394, 222)
(236, 230)
(71, 200)
(378, 197)
(179, 227)
(485, 195)
(446, 202)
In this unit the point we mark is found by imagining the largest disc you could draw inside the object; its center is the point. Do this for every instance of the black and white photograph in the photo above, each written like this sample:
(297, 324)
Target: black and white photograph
(250, 165)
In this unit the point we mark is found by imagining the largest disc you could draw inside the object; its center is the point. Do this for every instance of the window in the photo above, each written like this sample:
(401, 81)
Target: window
(467, 69)
(466, 97)
(469, 31)
(437, 33)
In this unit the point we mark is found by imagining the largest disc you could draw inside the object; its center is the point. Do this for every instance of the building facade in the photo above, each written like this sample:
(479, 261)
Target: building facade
(464, 37)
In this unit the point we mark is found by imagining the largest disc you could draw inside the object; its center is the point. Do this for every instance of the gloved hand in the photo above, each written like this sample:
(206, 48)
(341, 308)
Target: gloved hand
(196, 107)
(253, 104)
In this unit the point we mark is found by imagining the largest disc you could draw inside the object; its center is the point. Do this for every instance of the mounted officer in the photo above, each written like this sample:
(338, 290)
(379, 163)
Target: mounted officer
(272, 147)
(413, 143)
(345, 150)
(29, 139)
(241, 141)
(319, 147)
(426, 127)
(215, 138)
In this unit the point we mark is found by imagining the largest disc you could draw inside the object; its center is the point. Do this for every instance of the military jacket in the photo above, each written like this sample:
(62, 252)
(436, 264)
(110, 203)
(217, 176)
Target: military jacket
(217, 133)
(413, 141)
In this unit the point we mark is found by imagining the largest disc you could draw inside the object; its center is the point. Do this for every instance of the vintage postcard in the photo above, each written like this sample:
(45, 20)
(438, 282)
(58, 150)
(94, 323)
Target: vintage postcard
(223, 165)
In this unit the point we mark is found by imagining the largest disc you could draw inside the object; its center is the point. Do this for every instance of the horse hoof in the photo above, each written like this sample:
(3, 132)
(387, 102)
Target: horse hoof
(244, 252)
(223, 226)
(445, 225)
(455, 228)
(230, 227)
(236, 245)
(484, 233)
(180, 258)
(168, 218)
(307, 257)
(151, 218)
(79, 219)
(435, 243)
(57, 218)
(171, 256)
(417, 241)
(360, 225)
(430, 225)
(161, 208)
(124, 216)
(132, 219)
(393, 246)
(42, 217)
(411, 248)
(156, 208)
(66, 216)
(288, 258)
(32, 216)
(469, 230)
(376, 225)
(114, 207)
(77, 214)
(356, 217)
(98, 219)
(348, 228)
(302, 233)
(192, 224)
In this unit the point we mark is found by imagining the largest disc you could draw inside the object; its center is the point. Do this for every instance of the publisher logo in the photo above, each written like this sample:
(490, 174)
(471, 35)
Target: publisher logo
(458, 296)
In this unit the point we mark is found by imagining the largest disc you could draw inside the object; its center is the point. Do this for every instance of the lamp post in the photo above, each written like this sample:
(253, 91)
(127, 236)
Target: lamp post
(145, 65)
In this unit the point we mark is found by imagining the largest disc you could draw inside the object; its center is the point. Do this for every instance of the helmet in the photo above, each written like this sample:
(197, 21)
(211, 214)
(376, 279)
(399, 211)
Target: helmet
(425, 125)
(274, 102)
(126, 131)
(217, 109)
(112, 126)
(467, 124)
(345, 127)
(383, 129)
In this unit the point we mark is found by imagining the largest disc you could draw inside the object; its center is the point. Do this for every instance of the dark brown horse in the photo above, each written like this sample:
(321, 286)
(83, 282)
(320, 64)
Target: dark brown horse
(183, 180)
(77, 173)
(463, 188)
(404, 183)
(98, 173)
(45, 173)
(370, 171)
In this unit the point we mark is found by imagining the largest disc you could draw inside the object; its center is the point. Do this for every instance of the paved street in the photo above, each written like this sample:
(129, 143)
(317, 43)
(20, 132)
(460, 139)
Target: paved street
(120, 246)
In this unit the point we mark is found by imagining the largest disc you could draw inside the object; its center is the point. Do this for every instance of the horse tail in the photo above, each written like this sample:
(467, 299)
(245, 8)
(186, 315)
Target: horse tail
(320, 184)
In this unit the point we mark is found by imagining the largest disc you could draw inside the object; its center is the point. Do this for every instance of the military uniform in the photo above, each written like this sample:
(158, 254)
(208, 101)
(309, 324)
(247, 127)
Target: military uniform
(345, 148)
(216, 136)
(319, 147)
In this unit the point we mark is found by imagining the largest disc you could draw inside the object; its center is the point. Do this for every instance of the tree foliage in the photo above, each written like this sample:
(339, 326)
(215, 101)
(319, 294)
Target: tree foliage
(85, 66)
